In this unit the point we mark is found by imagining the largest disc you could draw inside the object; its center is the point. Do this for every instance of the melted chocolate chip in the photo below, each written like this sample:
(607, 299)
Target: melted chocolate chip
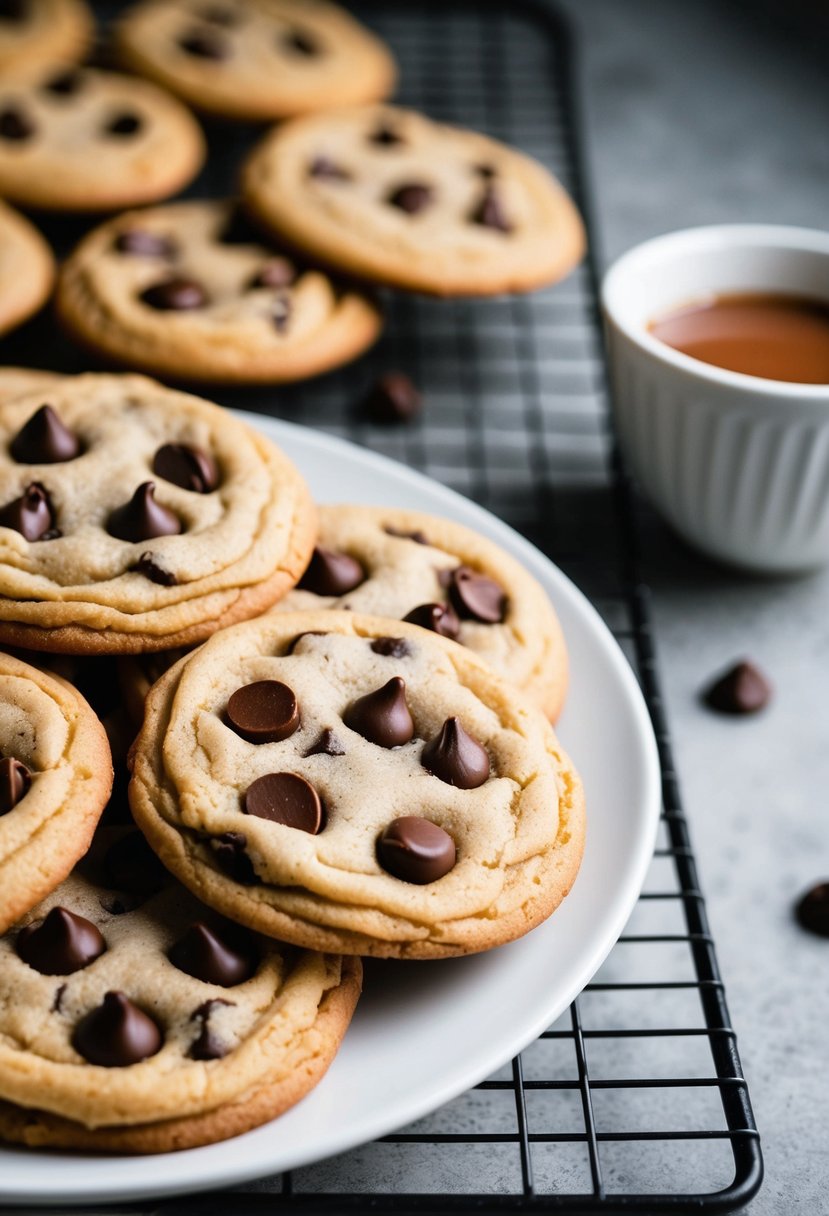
(124, 124)
(15, 124)
(476, 597)
(279, 272)
(412, 198)
(391, 648)
(440, 618)
(330, 573)
(393, 398)
(207, 1045)
(231, 858)
(62, 943)
(285, 798)
(116, 1034)
(489, 212)
(131, 865)
(743, 689)
(142, 518)
(382, 716)
(386, 137)
(44, 440)
(15, 780)
(326, 169)
(263, 712)
(148, 565)
(175, 295)
(327, 744)
(420, 538)
(812, 909)
(65, 83)
(143, 244)
(455, 757)
(301, 42)
(31, 515)
(226, 959)
(416, 850)
(186, 466)
(204, 44)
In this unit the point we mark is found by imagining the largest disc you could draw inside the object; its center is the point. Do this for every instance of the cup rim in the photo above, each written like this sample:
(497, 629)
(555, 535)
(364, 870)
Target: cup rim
(780, 236)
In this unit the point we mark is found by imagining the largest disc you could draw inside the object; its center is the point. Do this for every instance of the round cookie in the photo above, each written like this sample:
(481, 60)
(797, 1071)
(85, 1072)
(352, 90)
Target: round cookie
(188, 290)
(27, 269)
(18, 381)
(442, 576)
(324, 782)
(393, 197)
(140, 1022)
(80, 139)
(136, 518)
(55, 779)
(36, 31)
(256, 59)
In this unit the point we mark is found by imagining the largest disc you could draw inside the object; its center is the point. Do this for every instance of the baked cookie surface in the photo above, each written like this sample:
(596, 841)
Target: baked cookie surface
(33, 31)
(136, 1020)
(322, 781)
(27, 269)
(18, 381)
(256, 59)
(55, 779)
(188, 290)
(389, 195)
(82, 139)
(137, 518)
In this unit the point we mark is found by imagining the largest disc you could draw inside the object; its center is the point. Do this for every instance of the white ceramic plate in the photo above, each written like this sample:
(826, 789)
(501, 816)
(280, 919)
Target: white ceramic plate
(425, 1032)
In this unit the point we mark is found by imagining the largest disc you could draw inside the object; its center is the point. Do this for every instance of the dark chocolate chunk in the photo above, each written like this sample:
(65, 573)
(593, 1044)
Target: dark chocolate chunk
(420, 538)
(131, 865)
(116, 1033)
(143, 244)
(393, 398)
(44, 440)
(207, 1045)
(382, 716)
(476, 597)
(226, 959)
(279, 272)
(413, 197)
(743, 689)
(440, 618)
(416, 850)
(61, 943)
(15, 124)
(391, 648)
(285, 798)
(148, 565)
(455, 757)
(31, 514)
(204, 44)
(812, 909)
(489, 212)
(142, 518)
(263, 712)
(301, 42)
(124, 124)
(327, 744)
(385, 136)
(231, 858)
(15, 780)
(186, 466)
(331, 573)
(64, 83)
(175, 295)
(326, 169)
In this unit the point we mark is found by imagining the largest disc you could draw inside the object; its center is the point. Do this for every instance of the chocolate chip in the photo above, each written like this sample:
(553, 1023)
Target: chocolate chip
(812, 910)
(204, 44)
(416, 850)
(327, 744)
(440, 618)
(15, 124)
(131, 865)
(64, 83)
(44, 440)
(281, 314)
(148, 566)
(186, 466)
(215, 957)
(391, 648)
(142, 518)
(15, 780)
(486, 172)
(31, 514)
(143, 244)
(238, 230)
(58, 999)
(382, 716)
(393, 398)
(326, 169)
(302, 42)
(386, 137)
(277, 273)
(126, 123)
(330, 573)
(420, 538)
(207, 1045)
(62, 943)
(175, 295)
(285, 798)
(743, 689)
(489, 212)
(116, 1034)
(412, 198)
(455, 757)
(231, 858)
(263, 712)
(476, 597)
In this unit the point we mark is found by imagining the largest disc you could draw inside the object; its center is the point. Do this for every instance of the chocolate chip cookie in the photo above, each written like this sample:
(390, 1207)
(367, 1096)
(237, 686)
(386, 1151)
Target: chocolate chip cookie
(189, 290)
(348, 783)
(18, 381)
(27, 269)
(81, 139)
(37, 31)
(55, 779)
(256, 59)
(136, 518)
(391, 196)
(134, 1020)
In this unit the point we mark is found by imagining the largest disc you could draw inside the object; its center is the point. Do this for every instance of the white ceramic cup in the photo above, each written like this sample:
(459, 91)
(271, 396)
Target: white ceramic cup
(739, 465)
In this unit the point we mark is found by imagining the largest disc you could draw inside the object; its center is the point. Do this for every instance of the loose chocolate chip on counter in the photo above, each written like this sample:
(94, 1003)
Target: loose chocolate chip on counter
(15, 780)
(263, 712)
(393, 398)
(386, 137)
(327, 744)
(186, 466)
(412, 198)
(143, 244)
(15, 124)
(131, 865)
(416, 850)
(279, 272)
(62, 943)
(64, 83)
(812, 909)
(326, 169)
(455, 757)
(175, 295)
(204, 44)
(215, 957)
(476, 597)
(743, 689)
(116, 1034)
(124, 124)
(44, 440)
(382, 716)
(231, 858)
(142, 518)
(440, 618)
(420, 538)
(391, 648)
(288, 799)
(330, 573)
(207, 1045)
(489, 212)
(148, 566)
(301, 42)
(31, 514)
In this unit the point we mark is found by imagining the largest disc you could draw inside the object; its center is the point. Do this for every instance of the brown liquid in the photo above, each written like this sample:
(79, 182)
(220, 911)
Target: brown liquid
(778, 337)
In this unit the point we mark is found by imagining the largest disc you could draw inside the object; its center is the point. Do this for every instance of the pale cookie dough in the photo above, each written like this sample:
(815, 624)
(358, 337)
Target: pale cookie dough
(167, 291)
(502, 849)
(55, 779)
(27, 270)
(18, 381)
(231, 1046)
(391, 196)
(256, 59)
(35, 31)
(112, 565)
(81, 139)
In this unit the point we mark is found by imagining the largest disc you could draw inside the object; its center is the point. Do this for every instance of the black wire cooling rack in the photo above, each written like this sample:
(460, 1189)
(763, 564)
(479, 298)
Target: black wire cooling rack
(634, 1101)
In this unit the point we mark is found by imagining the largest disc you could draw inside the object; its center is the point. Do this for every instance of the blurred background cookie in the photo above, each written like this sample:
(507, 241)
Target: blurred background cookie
(33, 31)
(27, 269)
